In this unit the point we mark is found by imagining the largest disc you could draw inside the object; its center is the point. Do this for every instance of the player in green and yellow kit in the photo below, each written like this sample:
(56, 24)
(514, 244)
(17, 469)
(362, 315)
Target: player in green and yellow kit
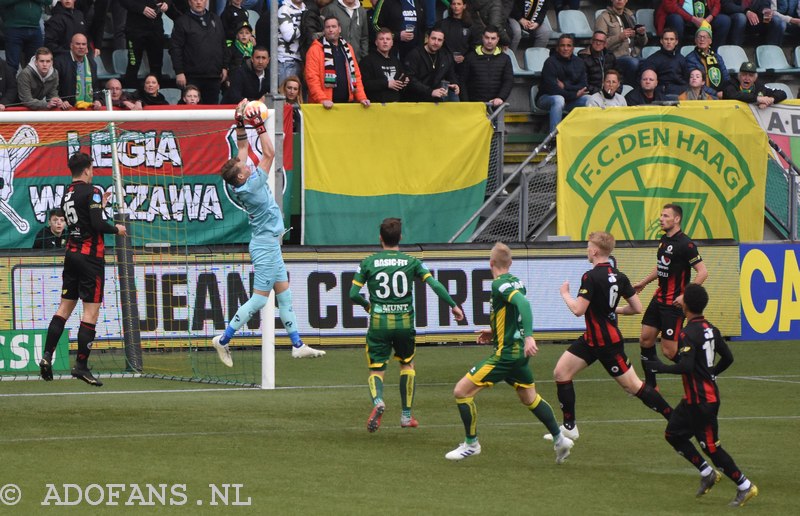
(389, 276)
(512, 335)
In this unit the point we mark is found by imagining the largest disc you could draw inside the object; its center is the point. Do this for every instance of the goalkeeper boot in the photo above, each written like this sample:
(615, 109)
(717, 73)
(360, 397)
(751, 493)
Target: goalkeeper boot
(374, 420)
(707, 482)
(463, 451)
(408, 422)
(223, 351)
(307, 352)
(566, 432)
(84, 373)
(46, 370)
(562, 447)
(743, 495)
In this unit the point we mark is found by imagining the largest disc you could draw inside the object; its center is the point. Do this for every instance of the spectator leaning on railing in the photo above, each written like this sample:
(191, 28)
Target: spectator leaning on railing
(37, 83)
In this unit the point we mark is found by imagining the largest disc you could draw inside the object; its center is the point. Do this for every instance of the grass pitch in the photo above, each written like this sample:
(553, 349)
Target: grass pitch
(304, 448)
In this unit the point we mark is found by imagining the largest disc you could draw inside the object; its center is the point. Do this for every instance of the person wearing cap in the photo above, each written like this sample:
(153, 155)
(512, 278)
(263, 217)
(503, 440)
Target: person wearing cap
(704, 58)
(241, 48)
(144, 31)
(748, 88)
(687, 17)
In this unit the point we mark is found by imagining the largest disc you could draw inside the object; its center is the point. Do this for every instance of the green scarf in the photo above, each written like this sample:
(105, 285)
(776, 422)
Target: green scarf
(245, 49)
(713, 71)
(83, 85)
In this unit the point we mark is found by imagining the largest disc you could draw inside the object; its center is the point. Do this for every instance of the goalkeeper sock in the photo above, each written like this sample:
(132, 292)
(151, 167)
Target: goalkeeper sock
(54, 332)
(407, 377)
(85, 338)
(544, 413)
(469, 416)
(649, 376)
(288, 318)
(566, 399)
(375, 382)
(243, 314)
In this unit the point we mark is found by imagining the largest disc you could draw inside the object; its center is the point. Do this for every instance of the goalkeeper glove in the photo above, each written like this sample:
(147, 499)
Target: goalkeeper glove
(257, 122)
(239, 114)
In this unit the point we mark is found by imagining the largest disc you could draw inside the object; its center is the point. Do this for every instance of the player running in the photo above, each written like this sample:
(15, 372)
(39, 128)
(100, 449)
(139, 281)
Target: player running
(696, 414)
(389, 276)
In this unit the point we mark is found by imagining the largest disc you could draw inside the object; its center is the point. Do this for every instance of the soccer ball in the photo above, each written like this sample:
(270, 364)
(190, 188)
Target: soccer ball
(256, 108)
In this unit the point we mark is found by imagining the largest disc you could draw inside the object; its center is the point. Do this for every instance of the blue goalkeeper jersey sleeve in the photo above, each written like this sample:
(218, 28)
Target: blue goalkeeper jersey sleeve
(265, 217)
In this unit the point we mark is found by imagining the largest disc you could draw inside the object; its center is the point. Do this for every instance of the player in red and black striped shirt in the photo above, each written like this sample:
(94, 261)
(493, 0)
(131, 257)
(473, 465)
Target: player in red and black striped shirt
(677, 256)
(598, 300)
(696, 415)
(84, 266)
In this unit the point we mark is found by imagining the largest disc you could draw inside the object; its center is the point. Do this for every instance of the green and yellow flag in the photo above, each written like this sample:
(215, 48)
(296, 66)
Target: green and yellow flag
(619, 166)
(425, 163)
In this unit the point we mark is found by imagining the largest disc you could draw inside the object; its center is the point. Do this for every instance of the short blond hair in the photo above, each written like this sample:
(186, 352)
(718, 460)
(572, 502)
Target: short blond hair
(501, 254)
(604, 241)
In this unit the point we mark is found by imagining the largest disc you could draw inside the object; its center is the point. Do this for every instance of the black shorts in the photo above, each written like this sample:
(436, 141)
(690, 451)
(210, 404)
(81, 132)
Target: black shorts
(612, 357)
(667, 319)
(83, 278)
(698, 421)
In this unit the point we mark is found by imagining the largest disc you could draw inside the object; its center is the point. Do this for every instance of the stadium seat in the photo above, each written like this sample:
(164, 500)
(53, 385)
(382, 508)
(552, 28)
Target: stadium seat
(102, 73)
(646, 17)
(783, 87)
(771, 59)
(3, 54)
(626, 88)
(535, 58)
(534, 108)
(173, 95)
(168, 25)
(167, 68)
(553, 33)
(733, 55)
(518, 70)
(120, 60)
(597, 14)
(574, 22)
(649, 51)
(796, 56)
(686, 50)
(252, 18)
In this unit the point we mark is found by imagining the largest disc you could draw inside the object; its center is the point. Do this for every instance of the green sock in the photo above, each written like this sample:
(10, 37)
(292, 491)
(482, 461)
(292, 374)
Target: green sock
(407, 377)
(375, 383)
(544, 412)
(469, 415)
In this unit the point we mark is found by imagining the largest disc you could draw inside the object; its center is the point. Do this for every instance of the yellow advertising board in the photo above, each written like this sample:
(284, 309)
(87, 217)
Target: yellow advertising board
(618, 167)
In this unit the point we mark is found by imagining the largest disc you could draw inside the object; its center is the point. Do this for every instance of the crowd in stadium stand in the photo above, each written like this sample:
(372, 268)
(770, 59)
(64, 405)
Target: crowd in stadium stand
(58, 57)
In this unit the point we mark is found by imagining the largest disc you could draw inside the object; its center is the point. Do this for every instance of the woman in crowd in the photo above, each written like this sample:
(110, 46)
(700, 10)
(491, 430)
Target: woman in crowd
(293, 91)
(149, 94)
(697, 87)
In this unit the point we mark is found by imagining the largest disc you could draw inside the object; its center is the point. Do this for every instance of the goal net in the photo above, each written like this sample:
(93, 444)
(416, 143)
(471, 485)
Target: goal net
(173, 284)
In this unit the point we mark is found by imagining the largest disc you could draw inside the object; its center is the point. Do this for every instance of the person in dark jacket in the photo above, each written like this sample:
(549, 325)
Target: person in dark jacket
(488, 12)
(597, 60)
(431, 70)
(149, 95)
(144, 32)
(53, 235)
(669, 65)
(232, 17)
(23, 34)
(8, 86)
(529, 16)
(64, 22)
(647, 92)
(564, 84)
(748, 88)
(382, 74)
(240, 50)
(198, 51)
(758, 17)
(77, 73)
(407, 25)
(457, 29)
(249, 81)
(487, 75)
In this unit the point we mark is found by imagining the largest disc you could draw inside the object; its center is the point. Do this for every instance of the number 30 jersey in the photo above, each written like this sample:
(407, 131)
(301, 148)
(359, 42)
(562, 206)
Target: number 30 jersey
(602, 287)
(389, 276)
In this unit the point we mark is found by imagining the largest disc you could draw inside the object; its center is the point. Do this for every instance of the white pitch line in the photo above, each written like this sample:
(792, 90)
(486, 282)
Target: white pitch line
(183, 435)
(101, 393)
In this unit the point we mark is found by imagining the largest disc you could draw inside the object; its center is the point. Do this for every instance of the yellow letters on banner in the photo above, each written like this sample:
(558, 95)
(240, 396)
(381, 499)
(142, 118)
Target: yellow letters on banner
(618, 167)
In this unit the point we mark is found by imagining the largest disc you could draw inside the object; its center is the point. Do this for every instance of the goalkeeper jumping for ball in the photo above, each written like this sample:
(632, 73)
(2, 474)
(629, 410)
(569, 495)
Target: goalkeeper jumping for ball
(266, 222)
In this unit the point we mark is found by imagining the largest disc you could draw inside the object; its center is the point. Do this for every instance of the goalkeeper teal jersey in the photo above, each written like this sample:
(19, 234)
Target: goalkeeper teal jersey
(506, 319)
(389, 276)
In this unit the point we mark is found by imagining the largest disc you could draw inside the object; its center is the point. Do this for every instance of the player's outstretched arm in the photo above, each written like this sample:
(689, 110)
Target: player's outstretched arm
(242, 145)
